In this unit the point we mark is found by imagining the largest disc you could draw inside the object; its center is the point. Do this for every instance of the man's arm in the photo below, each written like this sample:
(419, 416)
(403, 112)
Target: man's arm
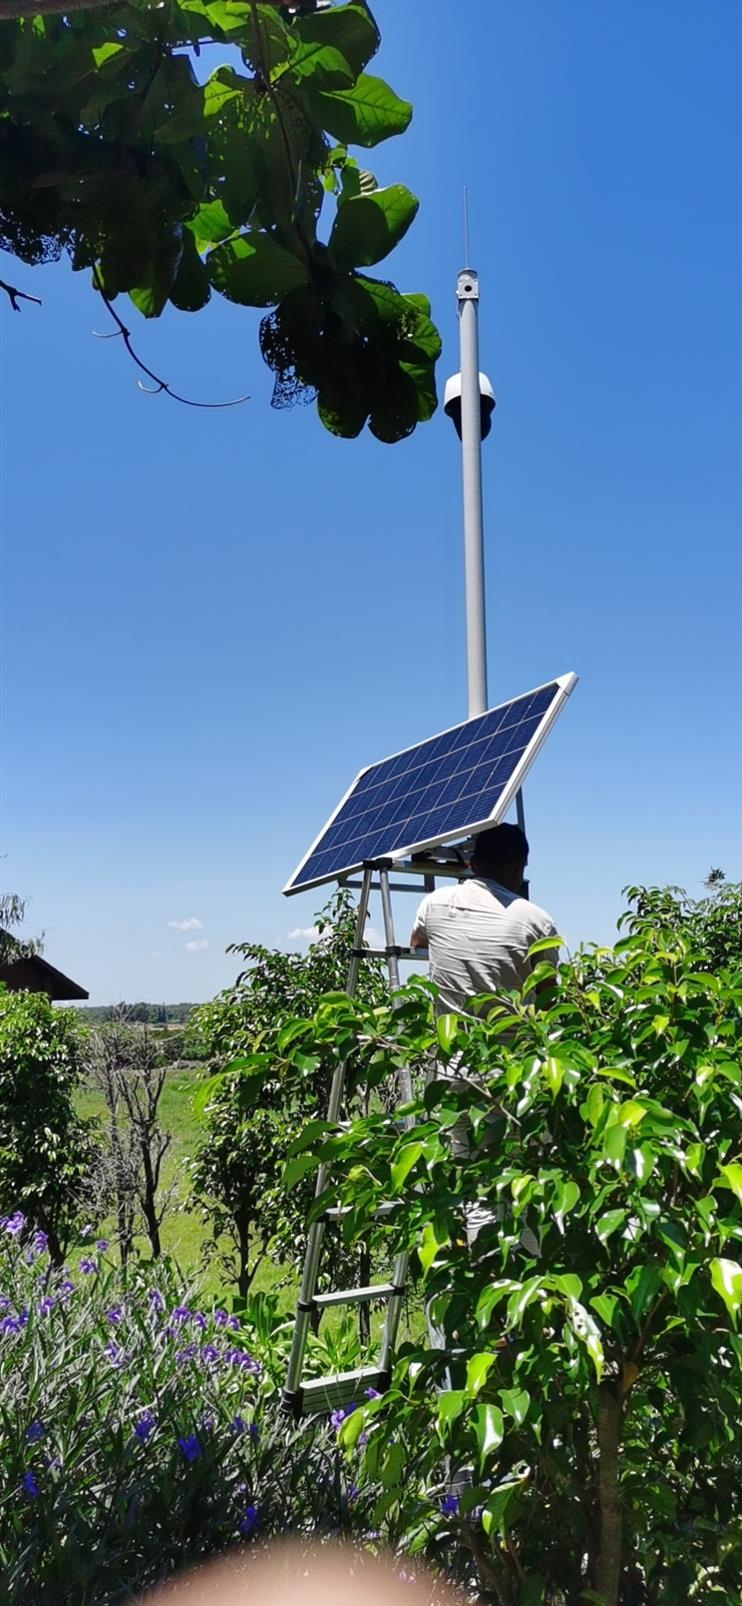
(419, 936)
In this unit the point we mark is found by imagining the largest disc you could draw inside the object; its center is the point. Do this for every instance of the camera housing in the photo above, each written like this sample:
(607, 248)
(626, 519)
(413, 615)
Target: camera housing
(452, 403)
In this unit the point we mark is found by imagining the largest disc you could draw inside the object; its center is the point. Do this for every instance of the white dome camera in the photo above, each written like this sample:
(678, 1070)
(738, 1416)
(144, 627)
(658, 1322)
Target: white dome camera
(452, 403)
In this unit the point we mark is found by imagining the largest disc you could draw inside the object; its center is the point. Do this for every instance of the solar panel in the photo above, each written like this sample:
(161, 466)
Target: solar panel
(455, 783)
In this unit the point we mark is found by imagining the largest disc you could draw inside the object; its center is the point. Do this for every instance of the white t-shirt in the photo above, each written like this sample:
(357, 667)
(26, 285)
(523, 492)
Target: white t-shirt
(478, 935)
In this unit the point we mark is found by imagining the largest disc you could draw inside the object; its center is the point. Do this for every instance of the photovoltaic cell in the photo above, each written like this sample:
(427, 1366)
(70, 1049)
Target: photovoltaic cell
(457, 782)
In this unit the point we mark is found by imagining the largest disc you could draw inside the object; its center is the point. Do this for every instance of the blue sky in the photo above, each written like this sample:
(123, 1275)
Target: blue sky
(212, 620)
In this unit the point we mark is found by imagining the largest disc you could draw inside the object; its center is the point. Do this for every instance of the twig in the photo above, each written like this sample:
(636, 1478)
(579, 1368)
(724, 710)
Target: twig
(15, 10)
(14, 296)
(159, 384)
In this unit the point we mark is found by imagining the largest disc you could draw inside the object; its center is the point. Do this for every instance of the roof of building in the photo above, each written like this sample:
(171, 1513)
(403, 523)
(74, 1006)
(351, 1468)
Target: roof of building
(36, 975)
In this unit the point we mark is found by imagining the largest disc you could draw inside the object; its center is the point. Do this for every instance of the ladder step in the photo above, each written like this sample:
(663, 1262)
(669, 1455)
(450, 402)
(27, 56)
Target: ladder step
(332, 1393)
(337, 1212)
(356, 1296)
(395, 950)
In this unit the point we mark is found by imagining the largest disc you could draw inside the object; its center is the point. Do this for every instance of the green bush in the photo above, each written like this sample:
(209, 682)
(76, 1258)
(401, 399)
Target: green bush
(578, 1438)
(46, 1150)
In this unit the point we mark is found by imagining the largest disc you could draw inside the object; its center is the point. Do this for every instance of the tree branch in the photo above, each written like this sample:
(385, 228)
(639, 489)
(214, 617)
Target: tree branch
(160, 384)
(14, 296)
(15, 10)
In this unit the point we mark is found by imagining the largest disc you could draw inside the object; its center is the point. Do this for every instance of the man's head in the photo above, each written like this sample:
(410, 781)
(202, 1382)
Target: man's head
(501, 855)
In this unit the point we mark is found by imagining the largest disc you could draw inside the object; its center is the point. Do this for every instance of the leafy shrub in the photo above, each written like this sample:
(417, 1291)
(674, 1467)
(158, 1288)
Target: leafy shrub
(578, 1437)
(45, 1148)
(140, 1431)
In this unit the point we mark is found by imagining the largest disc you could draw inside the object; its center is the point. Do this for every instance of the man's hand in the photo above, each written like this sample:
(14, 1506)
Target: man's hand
(418, 940)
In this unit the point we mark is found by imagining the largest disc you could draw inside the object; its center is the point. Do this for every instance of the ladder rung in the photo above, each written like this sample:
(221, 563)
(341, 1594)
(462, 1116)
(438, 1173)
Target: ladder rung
(393, 950)
(336, 1212)
(331, 1393)
(356, 1296)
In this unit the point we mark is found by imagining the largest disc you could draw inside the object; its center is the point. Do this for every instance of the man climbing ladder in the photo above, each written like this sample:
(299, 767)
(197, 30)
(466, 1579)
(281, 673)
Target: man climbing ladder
(478, 934)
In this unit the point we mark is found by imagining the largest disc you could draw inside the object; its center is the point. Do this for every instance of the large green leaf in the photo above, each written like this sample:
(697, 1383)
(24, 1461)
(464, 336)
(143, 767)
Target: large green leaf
(255, 270)
(489, 1426)
(726, 1276)
(363, 115)
(368, 227)
(348, 29)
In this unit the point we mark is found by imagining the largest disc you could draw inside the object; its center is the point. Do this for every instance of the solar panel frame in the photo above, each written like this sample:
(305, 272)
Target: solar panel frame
(446, 742)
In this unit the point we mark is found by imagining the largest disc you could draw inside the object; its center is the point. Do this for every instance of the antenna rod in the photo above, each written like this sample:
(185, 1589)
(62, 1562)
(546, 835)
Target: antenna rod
(467, 296)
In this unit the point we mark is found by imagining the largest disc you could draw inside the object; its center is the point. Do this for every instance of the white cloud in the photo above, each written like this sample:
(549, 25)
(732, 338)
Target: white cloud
(198, 946)
(191, 924)
(311, 934)
(157, 954)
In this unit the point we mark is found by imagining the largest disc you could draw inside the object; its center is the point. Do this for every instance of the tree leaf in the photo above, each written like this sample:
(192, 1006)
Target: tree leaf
(516, 1403)
(254, 270)
(368, 227)
(403, 1165)
(450, 1405)
(609, 1223)
(478, 1368)
(730, 1176)
(554, 1072)
(363, 115)
(489, 1427)
(726, 1277)
(349, 29)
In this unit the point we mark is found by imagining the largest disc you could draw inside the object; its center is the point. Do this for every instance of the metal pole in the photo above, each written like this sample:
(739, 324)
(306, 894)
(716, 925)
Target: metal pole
(467, 296)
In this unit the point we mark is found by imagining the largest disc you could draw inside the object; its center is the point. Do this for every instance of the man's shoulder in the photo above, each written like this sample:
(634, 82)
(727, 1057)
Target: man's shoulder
(531, 914)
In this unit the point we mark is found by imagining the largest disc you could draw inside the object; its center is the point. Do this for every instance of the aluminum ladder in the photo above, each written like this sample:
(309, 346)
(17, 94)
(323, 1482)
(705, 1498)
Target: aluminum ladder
(309, 1396)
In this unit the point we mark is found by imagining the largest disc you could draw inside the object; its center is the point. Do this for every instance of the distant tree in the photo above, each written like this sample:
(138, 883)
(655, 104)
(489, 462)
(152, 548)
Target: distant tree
(46, 1150)
(128, 1067)
(237, 1167)
(12, 947)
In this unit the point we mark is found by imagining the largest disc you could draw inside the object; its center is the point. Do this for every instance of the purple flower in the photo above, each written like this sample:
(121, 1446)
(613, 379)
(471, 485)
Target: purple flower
(198, 1319)
(237, 1424)
(353, 1493)
(144, 1426)
(184, 1355)
(40, 1241)
(250, 1520)
(102, 1244)
(46, 1304)
(233, 1324)
(207, 1421)
(10, 1324)
(373, 1394)
(221, 1318)
(253, 1430)
(190, 1446)
(338, 1417)
(117, 1356)
(114, 1315)
(180, 1313)
(210, 1354)
(449, 1505)
(13, 1224)
(22, 1318)
(67, 1287)
(88, 1266)
(30, 1485)
(156, 1301)
(35, 1432)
